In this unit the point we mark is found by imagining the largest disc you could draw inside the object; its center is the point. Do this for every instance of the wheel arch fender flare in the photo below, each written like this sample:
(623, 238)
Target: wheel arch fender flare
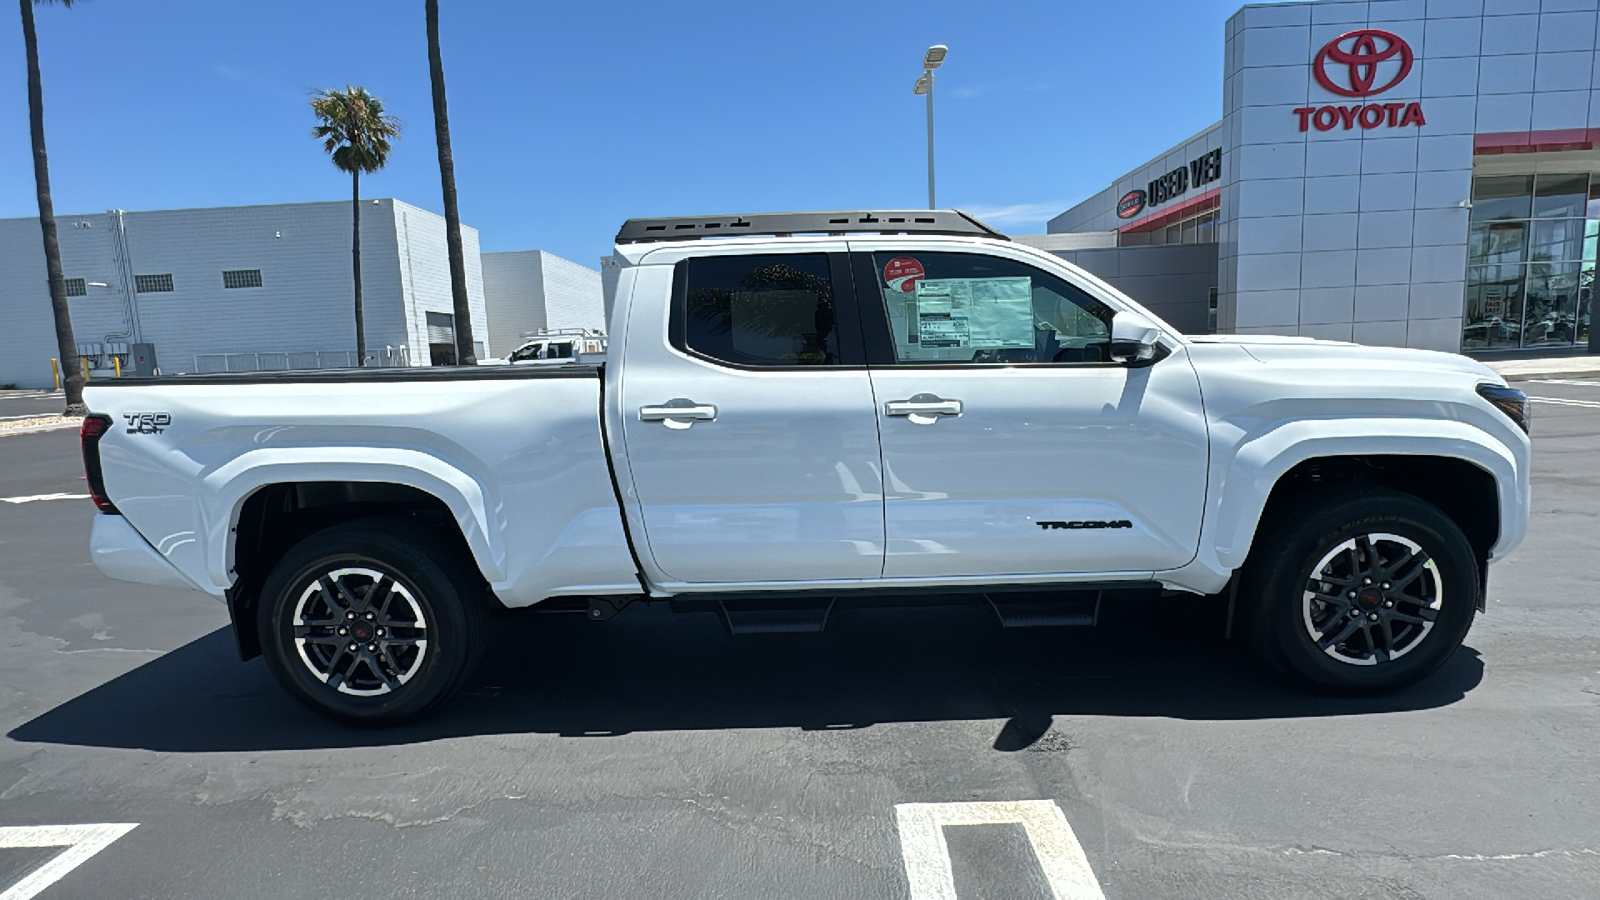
(1243, 481)
(469, 500)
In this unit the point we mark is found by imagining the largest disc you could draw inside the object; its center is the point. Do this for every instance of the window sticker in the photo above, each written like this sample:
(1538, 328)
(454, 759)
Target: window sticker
(978, 313)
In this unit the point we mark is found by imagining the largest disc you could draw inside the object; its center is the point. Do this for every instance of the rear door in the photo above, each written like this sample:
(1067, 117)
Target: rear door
(1011, 444)
(751, 435)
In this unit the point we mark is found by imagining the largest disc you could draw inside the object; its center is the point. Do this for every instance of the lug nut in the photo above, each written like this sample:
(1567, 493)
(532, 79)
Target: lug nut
(380, 630)
(349, 615)
(373, 648)
(344, 631)
(370, 617)
(1366, 581)
(1352, 595)
(1388, 604)
(1386, 585)
(1373, 616)
(352, 648)
(1355, 613)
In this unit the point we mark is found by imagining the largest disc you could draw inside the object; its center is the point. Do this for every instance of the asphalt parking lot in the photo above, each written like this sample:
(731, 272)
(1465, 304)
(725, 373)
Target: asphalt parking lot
(653, 757)
(27, 404)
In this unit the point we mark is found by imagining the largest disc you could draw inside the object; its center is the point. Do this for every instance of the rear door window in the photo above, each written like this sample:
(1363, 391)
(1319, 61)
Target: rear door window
(767, 310)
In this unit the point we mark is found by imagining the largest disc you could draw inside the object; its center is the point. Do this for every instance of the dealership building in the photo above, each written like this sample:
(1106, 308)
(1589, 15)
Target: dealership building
(1420, 173)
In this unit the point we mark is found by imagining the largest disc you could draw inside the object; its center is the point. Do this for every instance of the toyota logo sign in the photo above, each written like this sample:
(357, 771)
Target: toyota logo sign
(1362, 63)
(1348, 64)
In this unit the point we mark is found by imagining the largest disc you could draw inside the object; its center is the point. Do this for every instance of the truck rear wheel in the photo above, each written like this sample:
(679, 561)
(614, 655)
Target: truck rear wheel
(372, 621)
(1359, 590)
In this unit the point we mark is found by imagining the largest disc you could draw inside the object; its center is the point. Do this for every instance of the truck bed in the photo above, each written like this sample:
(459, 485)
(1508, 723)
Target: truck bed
(515, 453)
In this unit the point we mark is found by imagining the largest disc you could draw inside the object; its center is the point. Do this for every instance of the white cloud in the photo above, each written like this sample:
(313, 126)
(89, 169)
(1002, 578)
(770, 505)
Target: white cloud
(1026, 214)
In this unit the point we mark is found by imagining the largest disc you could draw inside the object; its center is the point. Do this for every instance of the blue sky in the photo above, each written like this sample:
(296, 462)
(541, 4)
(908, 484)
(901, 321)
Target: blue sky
(569, 117)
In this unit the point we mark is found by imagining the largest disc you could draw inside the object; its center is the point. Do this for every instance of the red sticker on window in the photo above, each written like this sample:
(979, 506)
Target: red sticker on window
(902, 274)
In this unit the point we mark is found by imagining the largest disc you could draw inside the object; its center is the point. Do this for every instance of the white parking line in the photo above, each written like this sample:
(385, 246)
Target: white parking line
(1562, 401)
(927, 856)
(81, 843)
(44, 497)
(1571, 381)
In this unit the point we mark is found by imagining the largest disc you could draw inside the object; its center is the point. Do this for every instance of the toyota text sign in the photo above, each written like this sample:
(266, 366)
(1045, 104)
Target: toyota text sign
(1361, 64)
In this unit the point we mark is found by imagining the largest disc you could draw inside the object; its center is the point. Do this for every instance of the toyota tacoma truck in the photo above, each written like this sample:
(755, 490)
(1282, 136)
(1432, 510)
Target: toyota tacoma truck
(800, 411)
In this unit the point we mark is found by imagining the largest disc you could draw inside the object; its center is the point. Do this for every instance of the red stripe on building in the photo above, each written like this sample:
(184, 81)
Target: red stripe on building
(1194, 206)
(1535, 141)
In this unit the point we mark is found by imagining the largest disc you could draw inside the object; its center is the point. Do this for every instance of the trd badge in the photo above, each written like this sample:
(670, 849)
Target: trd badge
(147, 423)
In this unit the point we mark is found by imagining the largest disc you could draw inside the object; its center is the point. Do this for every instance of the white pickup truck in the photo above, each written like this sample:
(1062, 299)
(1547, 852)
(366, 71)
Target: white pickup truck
(804, 410)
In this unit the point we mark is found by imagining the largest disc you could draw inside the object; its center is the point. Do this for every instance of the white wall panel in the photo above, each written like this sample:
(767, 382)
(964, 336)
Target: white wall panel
(1382, 302)
(1566, 31)
(1511, 74)
(1559, 109)
(1385, 229)
(1510, 34)
(1328, 269)
(1383, 266)
(1380, 334)
(1324, 305)
(1334, 231)
(1442, 9)
(1446, 38)
(1396, 10)
(1564, 71)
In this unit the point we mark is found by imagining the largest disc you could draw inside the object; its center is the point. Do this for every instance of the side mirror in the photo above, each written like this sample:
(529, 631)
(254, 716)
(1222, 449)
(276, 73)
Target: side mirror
(1134, 339)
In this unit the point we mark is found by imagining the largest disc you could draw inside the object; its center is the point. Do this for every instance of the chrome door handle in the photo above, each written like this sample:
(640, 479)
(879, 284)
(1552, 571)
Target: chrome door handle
(923, 409)
(678, 413)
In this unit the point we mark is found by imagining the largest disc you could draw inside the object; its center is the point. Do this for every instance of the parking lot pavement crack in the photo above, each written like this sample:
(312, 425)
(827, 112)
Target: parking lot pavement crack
(1392, 854)
(775, 828)
(302, 820)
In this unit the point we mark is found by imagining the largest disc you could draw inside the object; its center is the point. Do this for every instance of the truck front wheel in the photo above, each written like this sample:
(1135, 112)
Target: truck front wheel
(1357, 589)
(371, 621)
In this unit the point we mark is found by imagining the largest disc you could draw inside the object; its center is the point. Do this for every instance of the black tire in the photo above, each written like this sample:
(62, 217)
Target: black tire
(433, 609)
(1393, 639)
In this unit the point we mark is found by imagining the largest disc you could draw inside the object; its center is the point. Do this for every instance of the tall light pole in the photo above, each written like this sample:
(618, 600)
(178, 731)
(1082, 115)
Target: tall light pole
(931, 60)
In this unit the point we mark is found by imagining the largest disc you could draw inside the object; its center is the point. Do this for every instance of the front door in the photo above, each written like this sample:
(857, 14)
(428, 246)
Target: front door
(1011, 444)
(751, 436)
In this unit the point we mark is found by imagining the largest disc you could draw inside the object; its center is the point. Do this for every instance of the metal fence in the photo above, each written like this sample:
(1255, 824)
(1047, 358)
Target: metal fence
(207, 363)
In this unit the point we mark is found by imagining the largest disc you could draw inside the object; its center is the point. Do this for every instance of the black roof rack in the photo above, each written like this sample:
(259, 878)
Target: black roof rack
(894, 221)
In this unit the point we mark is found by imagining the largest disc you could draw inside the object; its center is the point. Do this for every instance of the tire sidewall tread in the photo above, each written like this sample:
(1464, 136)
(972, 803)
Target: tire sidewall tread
(437, 577)
(1296, 534)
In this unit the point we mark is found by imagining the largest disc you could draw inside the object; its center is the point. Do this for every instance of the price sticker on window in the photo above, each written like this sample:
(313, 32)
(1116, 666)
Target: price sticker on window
(902, 274)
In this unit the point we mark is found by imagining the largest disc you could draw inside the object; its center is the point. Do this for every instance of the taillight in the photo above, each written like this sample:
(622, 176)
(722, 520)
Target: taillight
(94, 427)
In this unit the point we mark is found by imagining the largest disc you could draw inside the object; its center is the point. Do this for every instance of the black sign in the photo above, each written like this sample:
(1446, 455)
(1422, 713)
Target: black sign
(1199, 171)
(1131, 204)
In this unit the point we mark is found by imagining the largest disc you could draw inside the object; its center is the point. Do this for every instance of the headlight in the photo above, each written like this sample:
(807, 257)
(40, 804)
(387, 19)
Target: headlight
(1510, 401)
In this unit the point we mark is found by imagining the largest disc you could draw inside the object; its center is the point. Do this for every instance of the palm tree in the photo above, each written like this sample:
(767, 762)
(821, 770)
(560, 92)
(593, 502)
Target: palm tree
(356, 133)
(465, 354)
(66, 344)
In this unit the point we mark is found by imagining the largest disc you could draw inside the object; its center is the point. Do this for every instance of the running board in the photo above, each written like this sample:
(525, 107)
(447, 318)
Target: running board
(798, 616)
(1074, 609)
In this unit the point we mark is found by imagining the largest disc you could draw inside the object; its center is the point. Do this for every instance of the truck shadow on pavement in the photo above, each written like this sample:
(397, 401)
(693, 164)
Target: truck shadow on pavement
(652, 670)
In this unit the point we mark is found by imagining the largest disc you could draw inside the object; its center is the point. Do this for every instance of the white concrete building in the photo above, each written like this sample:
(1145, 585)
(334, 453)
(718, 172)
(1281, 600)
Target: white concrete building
(1420, 173)
(235, 288)
(529, 290)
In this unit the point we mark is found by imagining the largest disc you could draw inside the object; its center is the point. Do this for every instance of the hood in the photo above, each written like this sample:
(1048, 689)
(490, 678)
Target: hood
(1298, 352)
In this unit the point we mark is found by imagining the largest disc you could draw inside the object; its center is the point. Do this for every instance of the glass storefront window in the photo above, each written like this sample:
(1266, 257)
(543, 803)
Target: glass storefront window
(1560, 196)
(1493, 319)
(1497, 243)
(1585, 299)
(1531, 250)
(1502, 197)
(1552, 301)
(1557, 240)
